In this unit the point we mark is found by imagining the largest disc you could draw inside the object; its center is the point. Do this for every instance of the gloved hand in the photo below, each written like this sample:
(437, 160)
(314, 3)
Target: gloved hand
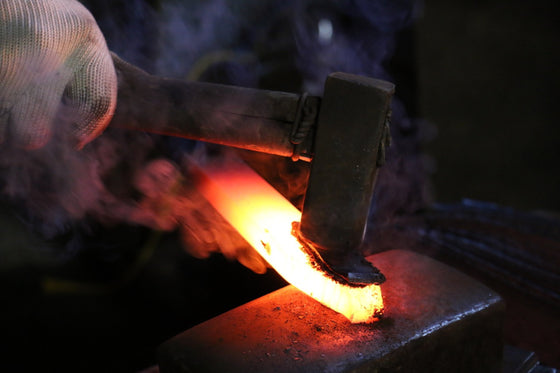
(56, 73)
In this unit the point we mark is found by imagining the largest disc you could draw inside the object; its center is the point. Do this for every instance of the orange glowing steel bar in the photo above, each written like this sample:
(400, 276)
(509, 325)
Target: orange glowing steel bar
(264, 218)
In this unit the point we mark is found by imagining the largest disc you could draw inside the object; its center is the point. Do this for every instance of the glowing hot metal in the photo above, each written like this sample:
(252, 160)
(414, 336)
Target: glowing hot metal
(264, 218)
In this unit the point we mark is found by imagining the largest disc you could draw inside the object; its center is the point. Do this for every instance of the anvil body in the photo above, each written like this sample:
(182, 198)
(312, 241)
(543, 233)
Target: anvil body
(436, 320)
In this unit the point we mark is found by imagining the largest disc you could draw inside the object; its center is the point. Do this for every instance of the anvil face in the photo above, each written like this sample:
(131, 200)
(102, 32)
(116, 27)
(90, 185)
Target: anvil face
(436, 320)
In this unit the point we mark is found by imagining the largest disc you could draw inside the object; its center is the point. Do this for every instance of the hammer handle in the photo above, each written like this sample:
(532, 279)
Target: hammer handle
(240, 117)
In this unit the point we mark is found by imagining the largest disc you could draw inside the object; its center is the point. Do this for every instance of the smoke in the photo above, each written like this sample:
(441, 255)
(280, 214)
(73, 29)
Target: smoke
(55, 186)
(361, 38)
(138, 179)
(191, 30)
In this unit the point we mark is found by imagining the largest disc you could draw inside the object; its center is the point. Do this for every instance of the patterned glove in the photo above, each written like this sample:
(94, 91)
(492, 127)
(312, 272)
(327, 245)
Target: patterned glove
(56, 73)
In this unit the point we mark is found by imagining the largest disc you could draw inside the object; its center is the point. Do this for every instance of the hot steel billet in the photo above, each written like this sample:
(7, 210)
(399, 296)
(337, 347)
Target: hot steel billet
(265, 121)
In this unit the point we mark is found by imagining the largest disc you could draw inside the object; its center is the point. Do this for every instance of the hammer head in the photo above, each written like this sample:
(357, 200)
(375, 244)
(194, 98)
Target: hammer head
(351, 136)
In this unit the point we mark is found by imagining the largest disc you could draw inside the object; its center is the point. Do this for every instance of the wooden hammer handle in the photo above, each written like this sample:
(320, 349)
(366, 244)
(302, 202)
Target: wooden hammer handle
(246, 118)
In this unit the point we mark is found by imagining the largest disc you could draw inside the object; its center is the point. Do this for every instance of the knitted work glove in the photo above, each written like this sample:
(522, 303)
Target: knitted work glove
(55, 73)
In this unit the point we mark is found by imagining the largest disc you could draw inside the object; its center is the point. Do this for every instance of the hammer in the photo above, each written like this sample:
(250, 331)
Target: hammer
(343, 134)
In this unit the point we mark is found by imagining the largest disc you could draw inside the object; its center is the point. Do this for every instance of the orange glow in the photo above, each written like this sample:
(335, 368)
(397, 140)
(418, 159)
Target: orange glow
(264, 218)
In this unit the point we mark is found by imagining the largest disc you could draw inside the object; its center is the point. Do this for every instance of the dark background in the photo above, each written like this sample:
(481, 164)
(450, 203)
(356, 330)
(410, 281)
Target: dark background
(488, 79)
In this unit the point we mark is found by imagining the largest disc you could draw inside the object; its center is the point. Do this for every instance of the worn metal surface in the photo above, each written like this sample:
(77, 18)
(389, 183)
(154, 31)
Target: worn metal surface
(436, 320)
(351, 135)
